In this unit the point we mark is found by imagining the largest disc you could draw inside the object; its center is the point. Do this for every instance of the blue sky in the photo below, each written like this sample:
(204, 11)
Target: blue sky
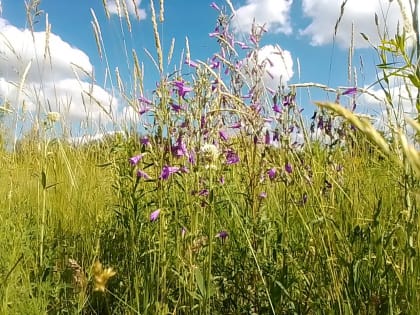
(302, 29)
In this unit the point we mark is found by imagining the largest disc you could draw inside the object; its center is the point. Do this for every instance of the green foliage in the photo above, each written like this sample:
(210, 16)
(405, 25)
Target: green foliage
(346, 249)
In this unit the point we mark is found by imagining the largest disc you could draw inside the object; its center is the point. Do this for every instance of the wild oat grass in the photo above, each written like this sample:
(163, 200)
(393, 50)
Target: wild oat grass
(208, 210)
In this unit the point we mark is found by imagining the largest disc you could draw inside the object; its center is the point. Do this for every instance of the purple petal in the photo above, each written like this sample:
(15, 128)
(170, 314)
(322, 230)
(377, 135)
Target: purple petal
(142, 174)
(135, 159)
(350, 91)
(154, 215)
(191, 63)
(145, 141)
(144, 100)
(288, 168)
(231, 157)
(215, 6)
(272, 173)
(168, 171)
(222, 235)
(223, 135)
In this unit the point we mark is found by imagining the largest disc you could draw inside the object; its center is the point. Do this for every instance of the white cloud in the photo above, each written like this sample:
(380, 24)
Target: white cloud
(18, 48)
(96, 138)
(325, 13)
(277, 64)
(275, 14)
(403, 96)
(60, 81)
(116, 7)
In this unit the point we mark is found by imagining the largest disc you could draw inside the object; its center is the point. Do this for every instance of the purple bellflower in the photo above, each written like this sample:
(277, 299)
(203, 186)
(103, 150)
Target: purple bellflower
(168, 171)
(154, 215)
(135, 159)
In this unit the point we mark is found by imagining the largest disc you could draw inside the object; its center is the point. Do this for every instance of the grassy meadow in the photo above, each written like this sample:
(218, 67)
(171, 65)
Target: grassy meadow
(220, 204)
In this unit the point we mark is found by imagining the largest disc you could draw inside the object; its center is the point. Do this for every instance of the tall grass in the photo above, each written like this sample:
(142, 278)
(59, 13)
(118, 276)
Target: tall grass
(224, 203)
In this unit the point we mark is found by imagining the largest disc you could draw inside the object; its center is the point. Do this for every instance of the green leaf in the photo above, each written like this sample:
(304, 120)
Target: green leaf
(388, 65)
(415, 80)
(200, 281)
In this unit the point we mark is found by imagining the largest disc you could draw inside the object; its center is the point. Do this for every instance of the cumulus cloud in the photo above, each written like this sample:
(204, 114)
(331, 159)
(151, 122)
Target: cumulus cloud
(58, 78)
(133, 6)
(360, 13)
(18, 48)
(277, 65)
(275, 14)
(402, 105)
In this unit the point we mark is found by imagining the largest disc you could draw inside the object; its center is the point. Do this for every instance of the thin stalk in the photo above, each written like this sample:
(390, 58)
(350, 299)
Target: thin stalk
(211, 233)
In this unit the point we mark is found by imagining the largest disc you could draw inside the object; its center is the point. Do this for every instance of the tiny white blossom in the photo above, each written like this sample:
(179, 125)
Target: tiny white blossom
(53, 116)
(210, 152)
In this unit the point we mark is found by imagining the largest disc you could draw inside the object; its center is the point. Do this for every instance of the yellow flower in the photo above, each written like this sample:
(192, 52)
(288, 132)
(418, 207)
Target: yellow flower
(101, 276)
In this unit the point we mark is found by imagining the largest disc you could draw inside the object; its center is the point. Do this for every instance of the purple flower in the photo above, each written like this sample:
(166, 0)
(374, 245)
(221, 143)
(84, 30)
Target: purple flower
(350, 91)
(214, 34)
(256, 139)
(263, 195)
(182, 88)
(222, 180)
(276, 135)
(288, 168)
(135, 159)
(145, 141)
(253, 40)
(191, 63)
(277, 108)
(215, 6)
(236, 125)
(238, 65)
(288, 100)
(231, 157)
(272, 173)
(142, 174)
(222, 235)
(203, 122)
(176, 108)
(168, 171)
(144, 100)
(226, 70)
(256, 107)
(192, 157)
(270, 90)
(203, 192)
(179, 149)
(154, 215)
(223, 135)
(144, 109)
(321, 123)
(242, 45)
(214, 84)
(215, 64)
(267, 138)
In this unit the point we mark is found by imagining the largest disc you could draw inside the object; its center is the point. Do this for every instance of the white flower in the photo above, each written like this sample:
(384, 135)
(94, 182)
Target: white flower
(53, 116)
(209, 152)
